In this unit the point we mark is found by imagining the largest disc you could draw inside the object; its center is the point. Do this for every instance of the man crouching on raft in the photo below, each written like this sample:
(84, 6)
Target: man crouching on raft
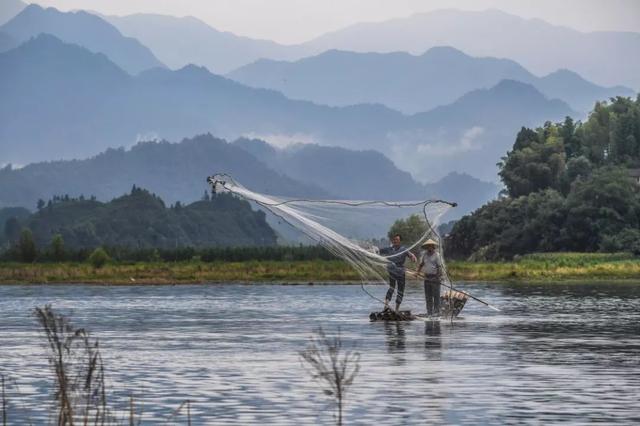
(397, 255)
(431, 268)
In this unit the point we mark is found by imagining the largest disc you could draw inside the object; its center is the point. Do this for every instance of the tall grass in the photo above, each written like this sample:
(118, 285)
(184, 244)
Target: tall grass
(80, 394)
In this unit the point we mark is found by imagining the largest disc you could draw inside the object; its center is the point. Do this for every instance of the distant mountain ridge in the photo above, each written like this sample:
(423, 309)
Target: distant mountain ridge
(174, 171)
(408, 83)
(540, 47)
(177, 171)
(368, 175)
(83, 29)
(601, 57)
(97, 106)
(188, 40)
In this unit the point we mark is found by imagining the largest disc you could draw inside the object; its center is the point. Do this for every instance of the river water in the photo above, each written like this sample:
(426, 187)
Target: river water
(556, 353)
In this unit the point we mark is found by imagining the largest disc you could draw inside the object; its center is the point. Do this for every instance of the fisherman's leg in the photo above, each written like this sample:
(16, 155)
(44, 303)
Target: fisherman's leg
(436, 296)
(392, 286)
(400, 295)
(428, 297)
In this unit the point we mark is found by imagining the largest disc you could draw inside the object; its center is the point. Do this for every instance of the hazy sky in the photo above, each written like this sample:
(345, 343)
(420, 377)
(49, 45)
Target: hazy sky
(294, 21)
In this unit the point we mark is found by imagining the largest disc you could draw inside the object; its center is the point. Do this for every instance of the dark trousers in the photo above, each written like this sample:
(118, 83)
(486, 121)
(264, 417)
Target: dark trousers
(432, 295)
(393, 280)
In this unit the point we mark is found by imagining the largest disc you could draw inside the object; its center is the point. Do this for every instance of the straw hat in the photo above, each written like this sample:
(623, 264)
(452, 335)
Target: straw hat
(429, 242)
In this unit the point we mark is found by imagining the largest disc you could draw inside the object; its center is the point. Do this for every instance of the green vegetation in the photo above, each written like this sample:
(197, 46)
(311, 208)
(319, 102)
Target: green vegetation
(139, 220)
(535, 267)
(551, 267)
(569, 187)
(410, 229)
(99, 258)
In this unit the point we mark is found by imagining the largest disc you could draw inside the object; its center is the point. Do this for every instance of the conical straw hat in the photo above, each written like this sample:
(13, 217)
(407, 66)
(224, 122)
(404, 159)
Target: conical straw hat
(429, 242)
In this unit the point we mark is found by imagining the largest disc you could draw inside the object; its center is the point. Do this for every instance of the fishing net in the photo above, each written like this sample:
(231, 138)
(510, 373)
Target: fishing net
(356, 231)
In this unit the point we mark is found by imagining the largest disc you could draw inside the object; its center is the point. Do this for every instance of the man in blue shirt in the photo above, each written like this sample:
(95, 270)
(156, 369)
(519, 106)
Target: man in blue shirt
(396, 255)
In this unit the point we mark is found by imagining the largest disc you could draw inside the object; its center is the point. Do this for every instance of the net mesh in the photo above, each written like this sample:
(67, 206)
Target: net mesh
(354, 230)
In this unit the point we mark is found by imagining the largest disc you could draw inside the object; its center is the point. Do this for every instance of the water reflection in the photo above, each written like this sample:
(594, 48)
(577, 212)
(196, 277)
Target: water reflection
(566, 353)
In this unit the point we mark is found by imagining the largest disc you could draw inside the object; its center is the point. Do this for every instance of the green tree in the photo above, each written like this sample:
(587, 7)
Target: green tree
(12, 229)
(99, 257)
(27, 247)
(57, 248)
(410, 229)
(536, 163)
(600, 206)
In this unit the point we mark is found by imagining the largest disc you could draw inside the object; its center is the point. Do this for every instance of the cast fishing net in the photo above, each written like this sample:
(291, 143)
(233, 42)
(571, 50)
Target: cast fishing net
(353, 230)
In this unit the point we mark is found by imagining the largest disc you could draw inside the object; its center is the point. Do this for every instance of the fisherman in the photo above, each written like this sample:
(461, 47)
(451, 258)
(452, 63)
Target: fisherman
(397, 254)
(430, 268)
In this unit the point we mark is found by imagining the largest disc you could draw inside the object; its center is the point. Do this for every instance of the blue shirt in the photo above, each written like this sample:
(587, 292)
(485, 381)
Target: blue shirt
(396, 264)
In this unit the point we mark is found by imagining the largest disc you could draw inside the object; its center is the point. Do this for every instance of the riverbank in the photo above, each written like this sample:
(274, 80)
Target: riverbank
(536, 267)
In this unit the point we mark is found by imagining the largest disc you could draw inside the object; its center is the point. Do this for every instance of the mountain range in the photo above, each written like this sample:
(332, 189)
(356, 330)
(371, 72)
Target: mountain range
(542, 48)
(410, 83)
(63, 101)
(84, 29)
(177, 172)
(602, 57)
(182, 41)
(367, 175)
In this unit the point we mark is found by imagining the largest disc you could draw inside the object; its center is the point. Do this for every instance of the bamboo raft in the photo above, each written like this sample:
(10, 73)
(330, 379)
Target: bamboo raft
(451, 303)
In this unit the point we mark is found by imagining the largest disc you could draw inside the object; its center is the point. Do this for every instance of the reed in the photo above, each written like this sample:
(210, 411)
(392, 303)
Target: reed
(79, 376)
(4, 402)
(77, 368)
(332, 365)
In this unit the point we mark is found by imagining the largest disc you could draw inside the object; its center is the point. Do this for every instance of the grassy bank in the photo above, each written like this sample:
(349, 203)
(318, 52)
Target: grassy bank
(537, 267)
(551, 267)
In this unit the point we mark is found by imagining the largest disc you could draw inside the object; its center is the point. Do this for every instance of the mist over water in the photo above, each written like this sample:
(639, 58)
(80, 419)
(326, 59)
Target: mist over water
(556, 352)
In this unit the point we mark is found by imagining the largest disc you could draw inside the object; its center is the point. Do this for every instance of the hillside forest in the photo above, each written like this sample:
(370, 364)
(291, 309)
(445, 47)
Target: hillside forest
(569, 186)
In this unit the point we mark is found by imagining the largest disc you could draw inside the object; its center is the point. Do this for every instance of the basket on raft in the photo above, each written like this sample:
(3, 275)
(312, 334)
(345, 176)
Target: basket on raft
(451, 303)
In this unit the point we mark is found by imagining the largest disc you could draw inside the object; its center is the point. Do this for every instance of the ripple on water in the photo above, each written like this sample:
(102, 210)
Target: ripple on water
(554, 354)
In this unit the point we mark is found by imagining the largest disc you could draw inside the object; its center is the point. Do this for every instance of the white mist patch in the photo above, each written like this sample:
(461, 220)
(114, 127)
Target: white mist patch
(281, 140)
(12, 166)
(147, 137)
(468, 142)
(429, 156)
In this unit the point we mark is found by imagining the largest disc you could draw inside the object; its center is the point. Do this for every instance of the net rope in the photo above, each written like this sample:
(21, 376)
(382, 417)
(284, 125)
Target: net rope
(349, 229)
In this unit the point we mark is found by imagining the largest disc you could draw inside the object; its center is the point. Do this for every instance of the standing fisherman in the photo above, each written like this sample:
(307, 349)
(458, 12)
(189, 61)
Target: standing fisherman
(431, 268)
(397, 255)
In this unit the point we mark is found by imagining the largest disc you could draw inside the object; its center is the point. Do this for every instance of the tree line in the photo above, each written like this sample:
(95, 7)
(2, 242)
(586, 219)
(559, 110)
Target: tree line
(138, 220)
(569, 186)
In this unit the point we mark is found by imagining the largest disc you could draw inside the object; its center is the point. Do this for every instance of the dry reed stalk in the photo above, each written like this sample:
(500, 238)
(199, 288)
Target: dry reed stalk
(4, 403)
(78, 370)
(332, 365)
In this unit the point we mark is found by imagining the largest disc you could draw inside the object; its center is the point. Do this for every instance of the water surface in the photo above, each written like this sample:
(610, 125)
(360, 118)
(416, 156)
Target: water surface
(556, 353)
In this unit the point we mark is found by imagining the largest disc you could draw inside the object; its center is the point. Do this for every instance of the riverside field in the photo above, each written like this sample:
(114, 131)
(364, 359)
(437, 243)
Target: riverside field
(534, 267)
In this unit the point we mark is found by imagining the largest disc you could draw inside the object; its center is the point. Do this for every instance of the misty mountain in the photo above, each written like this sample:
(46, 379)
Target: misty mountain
(606, 58)
(182, 41)
(409, 83)
(84, 29)
(576, 91)
(367, 175)
(9, 9)
(58, 109)
(174, 171)
(362, 175)
(7, 42)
